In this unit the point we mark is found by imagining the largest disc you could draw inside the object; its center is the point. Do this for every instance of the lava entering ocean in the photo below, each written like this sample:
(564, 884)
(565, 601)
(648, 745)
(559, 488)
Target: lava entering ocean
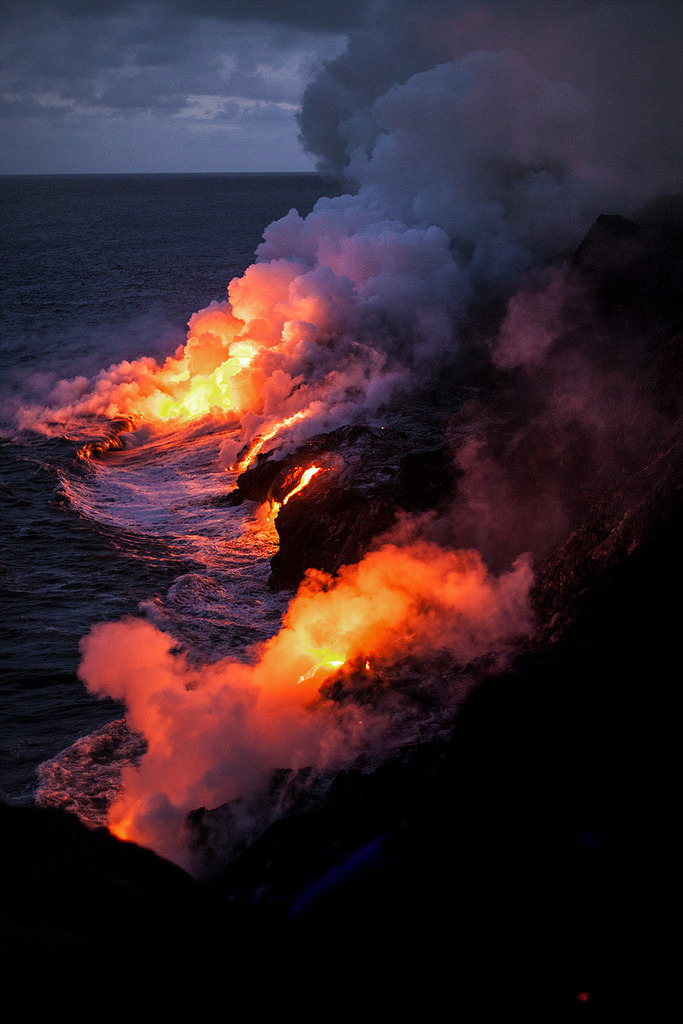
(469, 170)
(256, 446)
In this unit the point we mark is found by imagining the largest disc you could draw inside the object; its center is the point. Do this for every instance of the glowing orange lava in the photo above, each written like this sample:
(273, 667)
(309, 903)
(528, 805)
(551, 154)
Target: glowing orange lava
(257, 444)
(306, 478)
(121, 828)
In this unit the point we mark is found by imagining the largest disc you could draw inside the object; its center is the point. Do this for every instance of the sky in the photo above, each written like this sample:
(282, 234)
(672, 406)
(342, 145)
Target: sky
(116, 86)
(260, 85)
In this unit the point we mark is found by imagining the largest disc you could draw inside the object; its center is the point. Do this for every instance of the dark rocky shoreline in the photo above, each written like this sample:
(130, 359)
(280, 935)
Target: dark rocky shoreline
(505, 862)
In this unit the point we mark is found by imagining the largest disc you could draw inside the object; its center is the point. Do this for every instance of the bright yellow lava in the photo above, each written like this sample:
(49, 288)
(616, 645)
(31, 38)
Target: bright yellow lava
(328, 657)
(305, 479)
(206, 391)
(259, 441)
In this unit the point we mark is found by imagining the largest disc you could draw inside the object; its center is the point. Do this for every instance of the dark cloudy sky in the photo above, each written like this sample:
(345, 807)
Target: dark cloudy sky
(110, 85)
(218, 85)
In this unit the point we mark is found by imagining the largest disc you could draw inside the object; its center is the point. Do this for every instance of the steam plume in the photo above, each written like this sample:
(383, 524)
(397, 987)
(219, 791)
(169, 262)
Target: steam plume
(213, 731)
(474, 171)
(477, 145)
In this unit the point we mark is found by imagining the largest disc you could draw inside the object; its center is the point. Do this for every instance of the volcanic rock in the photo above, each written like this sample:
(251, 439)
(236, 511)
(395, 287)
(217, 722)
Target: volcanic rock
(624, 532)
(635, 268)
(256, 483)
(365, 476)
(324, 530)
(271, 477)
(73, 899)
(426, 479)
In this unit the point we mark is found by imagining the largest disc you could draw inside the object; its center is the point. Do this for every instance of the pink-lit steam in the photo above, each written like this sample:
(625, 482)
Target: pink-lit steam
(214, 731)
(347, 306)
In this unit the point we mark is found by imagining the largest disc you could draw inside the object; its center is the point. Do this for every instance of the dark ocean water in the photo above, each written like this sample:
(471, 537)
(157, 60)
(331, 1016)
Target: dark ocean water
(96, 269)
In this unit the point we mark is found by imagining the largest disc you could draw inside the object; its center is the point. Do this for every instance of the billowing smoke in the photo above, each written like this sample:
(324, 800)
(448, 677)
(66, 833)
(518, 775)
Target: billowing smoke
(214, 731)
(466, 173)
(622, 56)
(475, 153)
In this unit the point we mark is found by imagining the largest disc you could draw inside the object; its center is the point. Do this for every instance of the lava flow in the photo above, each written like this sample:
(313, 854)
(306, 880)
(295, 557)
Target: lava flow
(306, 478)
(260, 440)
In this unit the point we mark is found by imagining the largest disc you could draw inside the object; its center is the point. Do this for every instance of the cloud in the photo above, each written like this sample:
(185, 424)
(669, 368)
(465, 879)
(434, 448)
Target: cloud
(85, 62)
(172, 66)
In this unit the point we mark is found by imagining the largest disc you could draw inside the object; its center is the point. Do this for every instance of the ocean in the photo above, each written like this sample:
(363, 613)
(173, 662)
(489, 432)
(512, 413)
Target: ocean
(97, 269)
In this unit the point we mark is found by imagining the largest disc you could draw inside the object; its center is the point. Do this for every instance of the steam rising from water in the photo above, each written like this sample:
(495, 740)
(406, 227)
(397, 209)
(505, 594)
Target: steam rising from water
(469, 172)
(479, 169)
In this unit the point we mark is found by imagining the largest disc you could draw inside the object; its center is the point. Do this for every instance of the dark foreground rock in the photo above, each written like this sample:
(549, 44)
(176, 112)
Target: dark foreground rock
(328, 528)
(518, 860)
(515, 860)
(73, 899)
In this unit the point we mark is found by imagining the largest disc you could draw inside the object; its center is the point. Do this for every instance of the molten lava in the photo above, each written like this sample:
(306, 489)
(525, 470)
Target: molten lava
(306, 478)
(121, 827)
(326, 660)
(257, 444)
